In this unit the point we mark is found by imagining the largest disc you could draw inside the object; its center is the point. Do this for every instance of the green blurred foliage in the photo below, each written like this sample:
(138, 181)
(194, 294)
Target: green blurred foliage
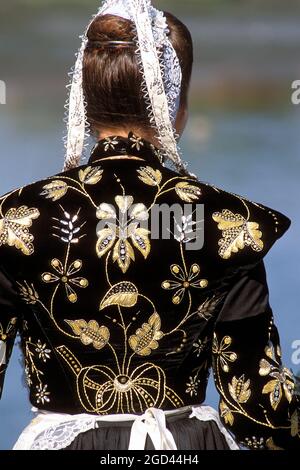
(202, 6)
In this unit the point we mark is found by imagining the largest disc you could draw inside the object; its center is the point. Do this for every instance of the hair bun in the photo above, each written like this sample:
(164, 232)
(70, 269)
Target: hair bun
(111, 28)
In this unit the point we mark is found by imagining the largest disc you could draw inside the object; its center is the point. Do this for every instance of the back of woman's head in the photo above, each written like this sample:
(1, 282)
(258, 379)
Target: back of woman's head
(112, 80)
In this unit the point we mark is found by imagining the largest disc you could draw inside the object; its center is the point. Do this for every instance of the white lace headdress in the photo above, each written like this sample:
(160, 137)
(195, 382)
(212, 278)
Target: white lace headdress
(161, 72)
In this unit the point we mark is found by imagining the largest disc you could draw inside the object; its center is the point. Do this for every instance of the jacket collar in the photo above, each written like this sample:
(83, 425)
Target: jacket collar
(127, 147)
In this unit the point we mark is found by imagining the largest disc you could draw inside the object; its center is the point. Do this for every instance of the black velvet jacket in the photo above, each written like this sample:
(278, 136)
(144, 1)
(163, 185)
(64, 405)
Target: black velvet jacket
(115, 320)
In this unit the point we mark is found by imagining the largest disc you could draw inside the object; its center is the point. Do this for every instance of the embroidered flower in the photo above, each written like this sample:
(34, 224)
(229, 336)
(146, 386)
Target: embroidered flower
(110, 143)
(115, 235)
(42, 395)
(137, 142)
(42, 351)
(222, 353)
(65, 276)
(255, 443)
(192, 386)
(184, 281)
(200, 346)
(282, 383)
(28, 375)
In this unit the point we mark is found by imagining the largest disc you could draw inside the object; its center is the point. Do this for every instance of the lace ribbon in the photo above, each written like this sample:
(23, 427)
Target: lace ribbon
(161, 72)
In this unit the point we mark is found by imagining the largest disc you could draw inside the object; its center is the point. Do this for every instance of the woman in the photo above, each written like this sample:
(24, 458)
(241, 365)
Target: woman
(121, 324)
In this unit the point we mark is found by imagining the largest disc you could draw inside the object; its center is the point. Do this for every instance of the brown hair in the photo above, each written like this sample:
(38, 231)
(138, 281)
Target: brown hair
(111, 76)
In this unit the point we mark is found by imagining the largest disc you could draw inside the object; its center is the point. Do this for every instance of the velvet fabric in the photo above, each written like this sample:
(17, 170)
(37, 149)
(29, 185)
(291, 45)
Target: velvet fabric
(114, 320)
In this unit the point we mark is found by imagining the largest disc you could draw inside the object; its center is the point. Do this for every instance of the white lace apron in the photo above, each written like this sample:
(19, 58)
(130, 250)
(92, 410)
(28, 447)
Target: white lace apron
(54, 431)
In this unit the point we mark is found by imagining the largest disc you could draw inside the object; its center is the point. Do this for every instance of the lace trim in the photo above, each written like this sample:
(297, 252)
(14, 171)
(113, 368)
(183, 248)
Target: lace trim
(51, 431)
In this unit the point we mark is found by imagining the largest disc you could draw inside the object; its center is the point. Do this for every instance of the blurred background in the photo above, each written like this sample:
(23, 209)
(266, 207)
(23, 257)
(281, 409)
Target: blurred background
(243, 133)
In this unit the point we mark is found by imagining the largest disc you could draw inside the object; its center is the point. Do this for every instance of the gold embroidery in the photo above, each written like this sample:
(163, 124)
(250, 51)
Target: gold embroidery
(222, 353)
(123, 294)
(187, 192)
(270, 444)
(110, 143)
(28, 293)
(55, 190)
(255, 443)
(239, 389)
(237, 232)
(150, 176)
(134, 391)
(137, 142)
(193, 386)
(282, 378)
(119, 157)
(123, 252)
(145, 338)
(226, 414)
(14, 228)
(207, 309)
(90, 175)
(65, 276)
(184, 281)
(34, 351)
(90, 333)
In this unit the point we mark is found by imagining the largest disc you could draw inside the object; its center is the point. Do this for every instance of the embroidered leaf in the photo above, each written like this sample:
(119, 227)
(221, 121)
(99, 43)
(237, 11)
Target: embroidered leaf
(274, 388)
(123, 203)
(124, 294)
(150, 176)
(106, 211)
(187, 192)
(14, 228)
(91, 175)
(146, 337)
(226, 413)
(106, 239)
(140, 240)
(237, 233)
(90, 333)
(55, 190)
(239, 389)
(123, 253)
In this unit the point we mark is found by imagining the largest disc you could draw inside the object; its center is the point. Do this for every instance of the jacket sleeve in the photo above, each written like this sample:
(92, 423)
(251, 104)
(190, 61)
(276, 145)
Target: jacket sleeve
(9, 324)
(258, 402)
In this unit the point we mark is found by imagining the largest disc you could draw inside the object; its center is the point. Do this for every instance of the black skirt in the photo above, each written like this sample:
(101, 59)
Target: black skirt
(188, 433)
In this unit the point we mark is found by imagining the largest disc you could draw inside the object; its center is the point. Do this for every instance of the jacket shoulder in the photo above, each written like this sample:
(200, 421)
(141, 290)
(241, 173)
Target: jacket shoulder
(244, 230)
